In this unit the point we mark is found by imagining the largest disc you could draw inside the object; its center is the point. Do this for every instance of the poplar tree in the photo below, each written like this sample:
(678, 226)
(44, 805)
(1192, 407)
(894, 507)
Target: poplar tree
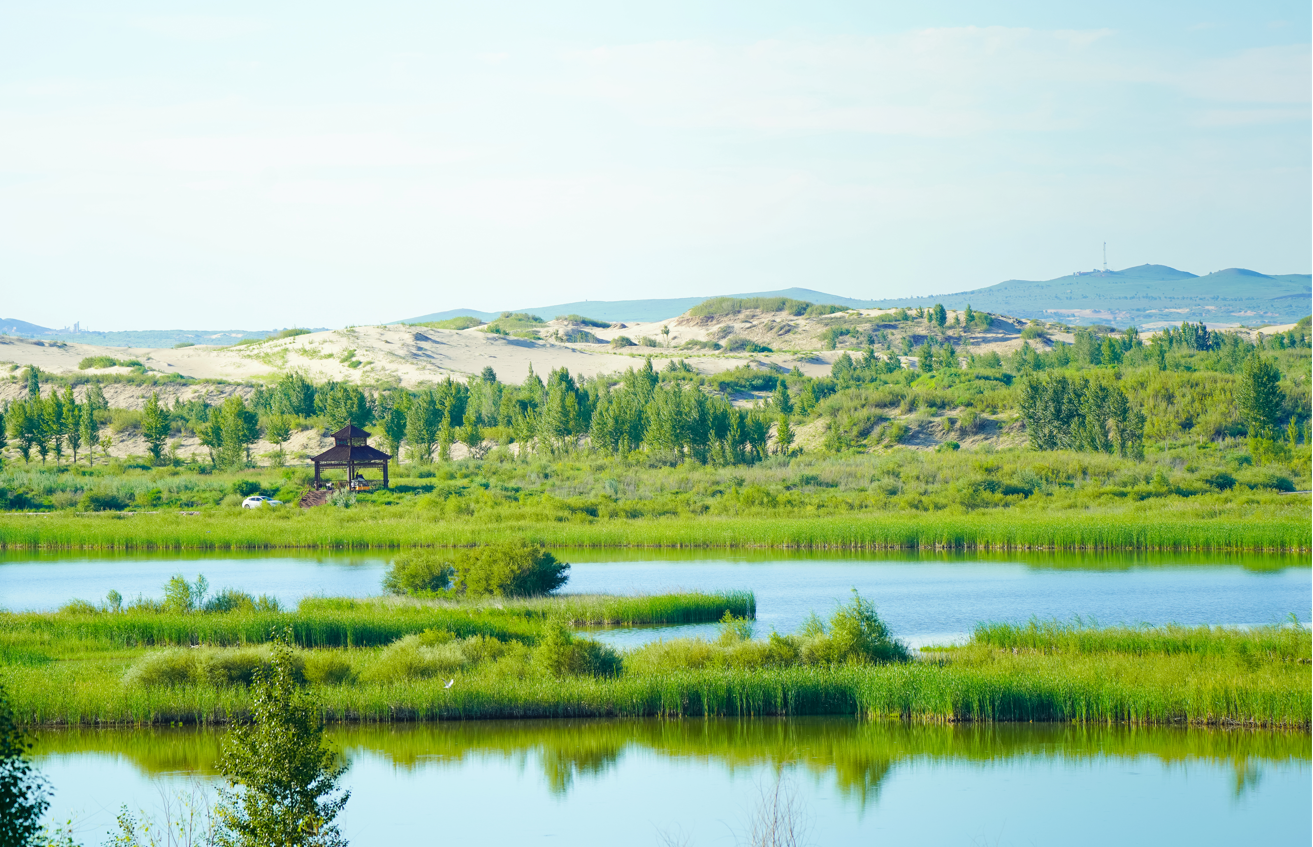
(89, 430)
(154, 427)
(1259, 396)
(422, 423)
(73, 422)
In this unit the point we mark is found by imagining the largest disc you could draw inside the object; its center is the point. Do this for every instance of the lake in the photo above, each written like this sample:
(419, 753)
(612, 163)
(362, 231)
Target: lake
(699, 782)
(924, 598)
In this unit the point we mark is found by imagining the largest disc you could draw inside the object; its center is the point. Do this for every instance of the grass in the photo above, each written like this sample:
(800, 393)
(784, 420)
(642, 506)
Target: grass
(79, 669)
(346, 622)
(1266, 524)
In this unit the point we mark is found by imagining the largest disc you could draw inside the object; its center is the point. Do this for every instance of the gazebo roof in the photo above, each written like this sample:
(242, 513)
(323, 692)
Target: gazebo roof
(350, 431)
(357, 454)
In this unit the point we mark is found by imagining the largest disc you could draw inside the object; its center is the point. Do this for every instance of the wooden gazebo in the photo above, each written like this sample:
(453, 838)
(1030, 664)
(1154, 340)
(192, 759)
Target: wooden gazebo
(351, 451)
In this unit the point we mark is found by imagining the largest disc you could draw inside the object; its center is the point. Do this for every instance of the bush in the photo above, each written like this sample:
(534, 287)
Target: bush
(245, 487)
(1032, 331)
(560, 653)
(102, 501)
(230, 667)
(1221, 480)
(124, 420)
(739, 344)
(410, 657)
(324, 667)
(418, 573)
(969, 423)
(1265, 479)
(856, 636)
(622, 341)
(232, 600)
(163, 668)
(97, 362)
(509, 569)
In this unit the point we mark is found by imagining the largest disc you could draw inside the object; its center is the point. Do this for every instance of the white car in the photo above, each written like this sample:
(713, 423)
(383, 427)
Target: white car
(260, 500)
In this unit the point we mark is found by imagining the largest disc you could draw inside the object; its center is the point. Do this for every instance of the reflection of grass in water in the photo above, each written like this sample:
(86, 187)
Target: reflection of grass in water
(858, 755)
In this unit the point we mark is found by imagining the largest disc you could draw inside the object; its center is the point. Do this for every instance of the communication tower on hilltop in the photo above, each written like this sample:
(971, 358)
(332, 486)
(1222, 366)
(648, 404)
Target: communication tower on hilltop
(1105, 257)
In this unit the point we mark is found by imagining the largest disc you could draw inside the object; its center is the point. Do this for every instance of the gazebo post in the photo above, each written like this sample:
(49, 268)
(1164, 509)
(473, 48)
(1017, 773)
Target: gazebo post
(317, 474)
(385, 474)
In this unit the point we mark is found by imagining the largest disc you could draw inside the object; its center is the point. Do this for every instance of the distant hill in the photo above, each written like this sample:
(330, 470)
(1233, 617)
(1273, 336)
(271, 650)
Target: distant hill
(636, 311)
(1144, 296)
(151, 338)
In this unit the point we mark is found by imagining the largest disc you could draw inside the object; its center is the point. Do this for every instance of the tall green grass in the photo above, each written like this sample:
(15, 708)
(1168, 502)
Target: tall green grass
(1177, 527)
(1266, 643)
(345, 622)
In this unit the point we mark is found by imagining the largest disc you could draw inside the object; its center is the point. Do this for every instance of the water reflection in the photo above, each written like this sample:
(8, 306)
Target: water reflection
(857, 756)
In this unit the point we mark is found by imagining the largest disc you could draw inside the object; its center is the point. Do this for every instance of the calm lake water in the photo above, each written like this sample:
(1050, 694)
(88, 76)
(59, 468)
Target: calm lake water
(924, 598)
(633, 782)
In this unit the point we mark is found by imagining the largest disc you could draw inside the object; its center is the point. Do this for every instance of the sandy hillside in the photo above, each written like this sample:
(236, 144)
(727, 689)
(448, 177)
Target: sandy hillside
(414, 355)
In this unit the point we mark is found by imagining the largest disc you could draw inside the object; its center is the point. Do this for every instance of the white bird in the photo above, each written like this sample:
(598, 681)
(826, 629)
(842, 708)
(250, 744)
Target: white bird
(450, 683)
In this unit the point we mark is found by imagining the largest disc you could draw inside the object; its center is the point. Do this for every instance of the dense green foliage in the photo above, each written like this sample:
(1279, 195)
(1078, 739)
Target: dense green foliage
(23, 795)
(283, 777)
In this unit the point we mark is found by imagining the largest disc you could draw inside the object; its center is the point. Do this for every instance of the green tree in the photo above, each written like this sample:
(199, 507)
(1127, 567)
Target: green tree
(52, 412)
(282, 775)
(210, 433)
(1259, 396)
(89, 430)
(4, 437)
(939, 315)
(781, 400)
(422, 422)
(446, 436)
(240, 429)
(33, 382)
(471, 435)
(155, 427)
(278, 431)
(73, 422)
(394, 425)
(784, 437)
(24, 796)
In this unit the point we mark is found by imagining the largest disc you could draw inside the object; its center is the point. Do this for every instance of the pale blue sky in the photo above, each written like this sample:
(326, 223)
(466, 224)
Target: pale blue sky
(255, 164)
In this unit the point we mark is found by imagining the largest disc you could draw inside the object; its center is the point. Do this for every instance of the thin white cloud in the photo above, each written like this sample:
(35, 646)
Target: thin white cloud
(200, 27)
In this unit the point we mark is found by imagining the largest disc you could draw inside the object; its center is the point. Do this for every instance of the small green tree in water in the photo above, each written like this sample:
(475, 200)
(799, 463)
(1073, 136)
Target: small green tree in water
(282, 776)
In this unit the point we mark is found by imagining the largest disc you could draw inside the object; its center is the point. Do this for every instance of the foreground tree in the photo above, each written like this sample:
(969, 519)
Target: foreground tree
(23, 794)
(282, 776)
(1259, 396)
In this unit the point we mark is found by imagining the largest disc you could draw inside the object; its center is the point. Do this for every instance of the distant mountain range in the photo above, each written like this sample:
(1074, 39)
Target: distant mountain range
(1146, 296)
(1143, 296)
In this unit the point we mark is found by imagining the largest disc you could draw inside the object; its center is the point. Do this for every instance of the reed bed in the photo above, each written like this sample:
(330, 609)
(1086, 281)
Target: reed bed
(1162, 690)
(1182, 526)
(346, 622)
(1289, 643)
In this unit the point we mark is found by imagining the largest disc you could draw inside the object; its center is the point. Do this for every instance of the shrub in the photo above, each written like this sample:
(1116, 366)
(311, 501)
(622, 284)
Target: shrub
(1032, 331)
(969, 423)
(622, 341)
(560, 653)
(418, 573)
(1221, 480)
(739, 344)
(230, 667)
(458, 323)
(856, 635)
(232, 600)
(163, 668)
(409, 658)
(97, 362)
(102, 501)
(509, 569)
(580, 319)
(245, 487)
(323, 667)
(124, 420)
(1256, 478)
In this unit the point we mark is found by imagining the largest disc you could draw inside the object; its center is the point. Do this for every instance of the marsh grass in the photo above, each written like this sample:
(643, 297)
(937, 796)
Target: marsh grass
(1207, 522)
(1203, 676)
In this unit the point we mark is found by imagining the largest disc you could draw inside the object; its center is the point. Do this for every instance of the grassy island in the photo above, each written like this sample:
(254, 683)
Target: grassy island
(401, 660)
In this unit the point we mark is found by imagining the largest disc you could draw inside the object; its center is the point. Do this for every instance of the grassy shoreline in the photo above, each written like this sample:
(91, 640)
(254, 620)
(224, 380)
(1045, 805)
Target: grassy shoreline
(1268, 524)
(380, 661)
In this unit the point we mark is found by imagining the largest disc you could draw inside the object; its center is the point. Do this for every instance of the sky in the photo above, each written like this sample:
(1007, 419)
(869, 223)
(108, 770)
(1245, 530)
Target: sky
(257, 165)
